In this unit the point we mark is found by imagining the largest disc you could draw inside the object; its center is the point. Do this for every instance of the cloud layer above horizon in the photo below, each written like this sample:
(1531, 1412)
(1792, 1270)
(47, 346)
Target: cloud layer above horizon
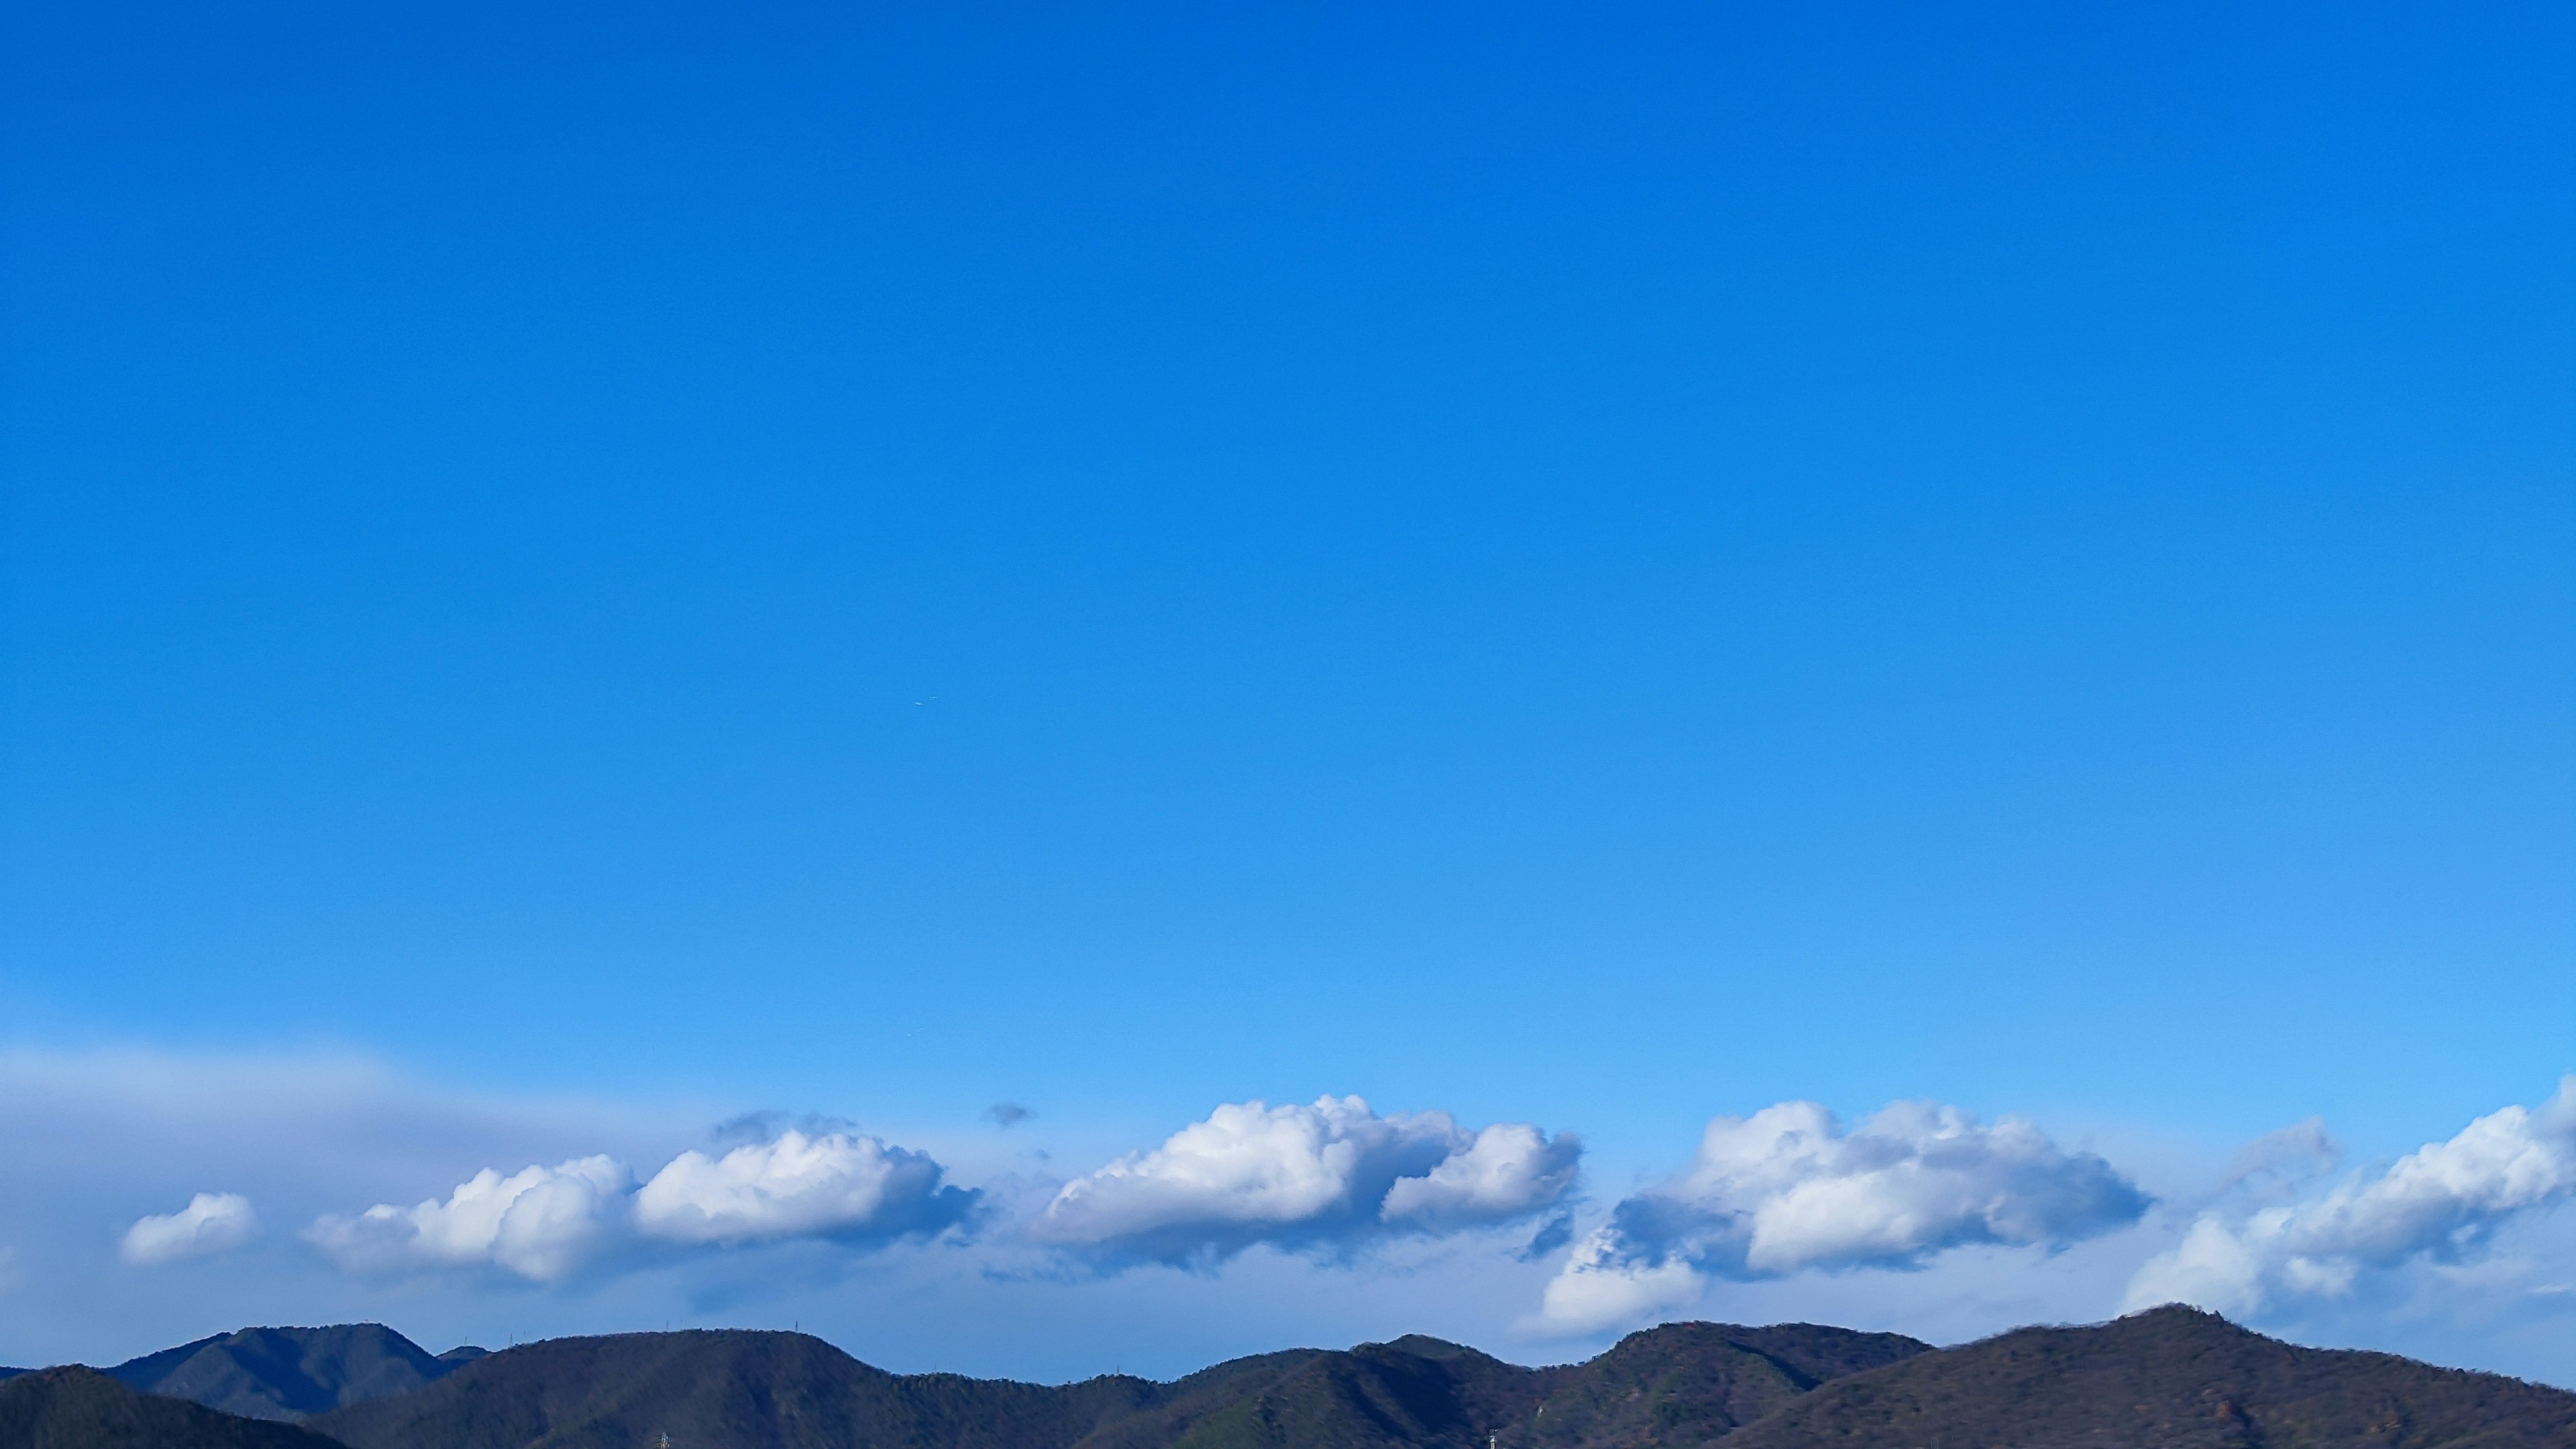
(1784, 1212)
(1787, 1189)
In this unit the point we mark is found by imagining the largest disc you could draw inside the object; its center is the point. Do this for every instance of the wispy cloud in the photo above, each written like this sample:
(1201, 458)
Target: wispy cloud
(1788, 1189)
(212, 1222)
(2441, 1203)
(1331, 1174)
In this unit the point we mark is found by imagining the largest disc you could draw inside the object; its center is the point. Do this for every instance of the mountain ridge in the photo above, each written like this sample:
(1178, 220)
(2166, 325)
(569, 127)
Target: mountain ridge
(2190, 1380)
(2169, 1378)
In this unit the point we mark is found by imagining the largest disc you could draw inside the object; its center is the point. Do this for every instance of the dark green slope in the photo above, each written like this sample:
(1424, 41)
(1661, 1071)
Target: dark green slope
(1171, 1412)
(2171, 1378)
(1689, 1383)
(80, 1408)
(286, 1373)
(1376, 1396)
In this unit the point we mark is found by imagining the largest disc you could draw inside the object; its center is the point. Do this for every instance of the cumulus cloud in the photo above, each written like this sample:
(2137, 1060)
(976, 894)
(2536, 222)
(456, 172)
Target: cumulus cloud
(2440, 1203)
(540, 1223)
(212, 1222)
(1788, 1189)
(837, 1184)
(1506, 1170)
(545, 1223)
(1334, 1172)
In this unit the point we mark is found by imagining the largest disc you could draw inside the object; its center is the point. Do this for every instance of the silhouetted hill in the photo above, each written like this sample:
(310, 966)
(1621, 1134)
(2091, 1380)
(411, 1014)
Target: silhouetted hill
(286, 1373)
(2173, 1378)
(463, 1353)
(81, 1408)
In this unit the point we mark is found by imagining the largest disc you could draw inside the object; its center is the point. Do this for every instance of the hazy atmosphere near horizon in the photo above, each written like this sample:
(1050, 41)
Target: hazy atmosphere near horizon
(1056, 689)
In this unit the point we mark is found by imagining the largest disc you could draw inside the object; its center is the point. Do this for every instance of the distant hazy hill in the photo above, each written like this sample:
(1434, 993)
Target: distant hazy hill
(2173, 1378)
(1684, 1383)
(286, 1373)
(79, 1408)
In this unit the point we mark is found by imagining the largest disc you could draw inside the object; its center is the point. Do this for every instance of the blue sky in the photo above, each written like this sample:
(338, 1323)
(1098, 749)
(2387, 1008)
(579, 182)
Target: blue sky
(574, 575)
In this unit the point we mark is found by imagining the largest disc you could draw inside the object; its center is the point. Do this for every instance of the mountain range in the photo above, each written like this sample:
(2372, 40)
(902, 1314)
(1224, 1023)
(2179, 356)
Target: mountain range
(2171, 1378)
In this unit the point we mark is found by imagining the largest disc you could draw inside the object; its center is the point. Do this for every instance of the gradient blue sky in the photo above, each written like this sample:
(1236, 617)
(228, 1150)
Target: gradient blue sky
(1586, 568)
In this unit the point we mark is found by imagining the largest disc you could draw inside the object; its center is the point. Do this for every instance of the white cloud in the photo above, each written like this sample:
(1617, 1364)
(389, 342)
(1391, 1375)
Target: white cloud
(1602, 1285)
(794, 1186)
(545, 1223)
(2439, 1203)
(1787, 1189)
(212, 1222)
(1508, 1169)
(1332, 1172)
(540, 1222)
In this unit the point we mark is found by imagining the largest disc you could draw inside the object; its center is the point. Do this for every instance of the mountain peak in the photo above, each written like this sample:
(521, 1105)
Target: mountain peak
(286, 1374)
(1423, 1345)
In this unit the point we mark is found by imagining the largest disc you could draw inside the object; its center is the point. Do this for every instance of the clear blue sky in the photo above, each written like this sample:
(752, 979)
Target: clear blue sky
(1591, 568)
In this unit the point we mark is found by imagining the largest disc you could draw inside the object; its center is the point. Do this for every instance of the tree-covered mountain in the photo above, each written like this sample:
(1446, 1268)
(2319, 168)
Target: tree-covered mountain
(287, 1374)
(2173, 1378)
(80, 1408)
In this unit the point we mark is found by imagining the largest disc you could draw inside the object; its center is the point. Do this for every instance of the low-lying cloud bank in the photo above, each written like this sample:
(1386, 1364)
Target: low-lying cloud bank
(2441, 1203)
(1788, 1189)
(1331, 1175)
(545, 1223)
